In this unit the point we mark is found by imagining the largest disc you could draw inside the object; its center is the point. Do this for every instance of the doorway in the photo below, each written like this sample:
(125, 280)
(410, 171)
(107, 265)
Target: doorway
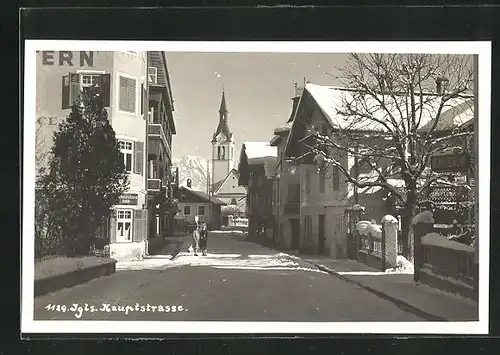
(295, 227)
(321, 234)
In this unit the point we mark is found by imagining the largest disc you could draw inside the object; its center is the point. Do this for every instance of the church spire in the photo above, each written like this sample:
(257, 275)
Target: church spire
(223, 107)
(223, 127)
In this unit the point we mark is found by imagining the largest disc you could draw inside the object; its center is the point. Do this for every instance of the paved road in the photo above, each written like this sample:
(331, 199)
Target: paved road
(238, 280)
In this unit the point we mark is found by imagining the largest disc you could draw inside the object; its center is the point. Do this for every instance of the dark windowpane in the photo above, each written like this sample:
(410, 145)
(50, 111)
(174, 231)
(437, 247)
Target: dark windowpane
(128, 164)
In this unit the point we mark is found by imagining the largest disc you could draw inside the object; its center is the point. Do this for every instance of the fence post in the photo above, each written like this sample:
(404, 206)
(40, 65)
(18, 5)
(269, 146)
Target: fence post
(383, 247)
(390, 240)
(422, 224)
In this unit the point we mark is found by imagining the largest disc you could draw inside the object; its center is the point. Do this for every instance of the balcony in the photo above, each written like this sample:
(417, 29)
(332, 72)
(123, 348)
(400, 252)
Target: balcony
(155, 130)
(154, 185)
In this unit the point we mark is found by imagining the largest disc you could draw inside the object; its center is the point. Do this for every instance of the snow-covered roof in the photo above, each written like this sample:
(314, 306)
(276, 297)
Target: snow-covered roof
(283, 128)
(270, 166)
(256, 151)
(331, 99)
(203, 195)
(438, 240)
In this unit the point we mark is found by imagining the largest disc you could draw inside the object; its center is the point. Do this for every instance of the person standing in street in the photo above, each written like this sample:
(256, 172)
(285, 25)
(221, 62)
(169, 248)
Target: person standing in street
(203, 241)
(196, 239)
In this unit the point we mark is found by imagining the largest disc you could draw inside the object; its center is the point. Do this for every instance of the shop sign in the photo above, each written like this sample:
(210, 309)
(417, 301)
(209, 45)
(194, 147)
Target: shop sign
(68, 58)
(447, 163)
(129, 199)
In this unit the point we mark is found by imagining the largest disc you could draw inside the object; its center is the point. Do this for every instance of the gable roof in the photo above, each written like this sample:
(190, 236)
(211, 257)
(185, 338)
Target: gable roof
(330, 99)
(202, 195)
(218, 185)
(255, 152)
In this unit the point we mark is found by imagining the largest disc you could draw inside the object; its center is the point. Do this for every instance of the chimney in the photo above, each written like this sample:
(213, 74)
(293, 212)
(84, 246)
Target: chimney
(188, 183)
(441, 85)
(295, 100)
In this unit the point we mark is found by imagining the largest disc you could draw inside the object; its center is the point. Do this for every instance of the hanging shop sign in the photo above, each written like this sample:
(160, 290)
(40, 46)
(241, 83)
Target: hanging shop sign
(129, 199)
(452, 162)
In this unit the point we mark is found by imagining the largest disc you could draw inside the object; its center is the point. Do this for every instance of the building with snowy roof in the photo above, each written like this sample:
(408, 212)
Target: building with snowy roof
(197, 206)
(286, 208)
(257, 168)
(325, 193)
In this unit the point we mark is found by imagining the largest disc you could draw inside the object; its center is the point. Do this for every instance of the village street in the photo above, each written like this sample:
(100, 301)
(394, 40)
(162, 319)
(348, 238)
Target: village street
(238, 280)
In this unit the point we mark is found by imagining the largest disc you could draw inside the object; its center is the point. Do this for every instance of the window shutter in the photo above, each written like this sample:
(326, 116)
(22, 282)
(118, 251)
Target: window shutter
(144, 224)
(142, 99)
(335, 179)
(139, 157)
(106, 89)
(112, 230)
(65, 92)
(74, 88)
(127, 94)
(137, 225)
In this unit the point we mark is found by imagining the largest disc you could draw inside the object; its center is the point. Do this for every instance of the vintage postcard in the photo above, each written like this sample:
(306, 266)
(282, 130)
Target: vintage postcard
(256, 187)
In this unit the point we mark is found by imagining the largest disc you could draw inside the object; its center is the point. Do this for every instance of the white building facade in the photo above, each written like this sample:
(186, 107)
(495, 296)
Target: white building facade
(60, 78)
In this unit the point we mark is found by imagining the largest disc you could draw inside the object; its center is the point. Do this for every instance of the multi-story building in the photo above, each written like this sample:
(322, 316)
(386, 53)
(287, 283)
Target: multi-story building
(162, 177)
(325, 194)
(257, 169)
(286, 197)
(123, 79)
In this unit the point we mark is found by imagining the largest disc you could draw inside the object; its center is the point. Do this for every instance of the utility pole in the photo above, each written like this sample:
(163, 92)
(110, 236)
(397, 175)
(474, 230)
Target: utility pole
(209, 192)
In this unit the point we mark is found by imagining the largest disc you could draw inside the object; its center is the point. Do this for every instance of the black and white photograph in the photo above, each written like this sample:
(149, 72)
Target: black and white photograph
(256, 187)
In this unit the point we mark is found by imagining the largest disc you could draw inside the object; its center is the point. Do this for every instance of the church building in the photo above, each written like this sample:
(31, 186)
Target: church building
(224, 175)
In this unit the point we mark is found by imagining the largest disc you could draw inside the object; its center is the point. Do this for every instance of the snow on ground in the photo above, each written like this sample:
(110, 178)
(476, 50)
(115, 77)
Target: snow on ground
(236, 231)
(280, 261)
(403, 266)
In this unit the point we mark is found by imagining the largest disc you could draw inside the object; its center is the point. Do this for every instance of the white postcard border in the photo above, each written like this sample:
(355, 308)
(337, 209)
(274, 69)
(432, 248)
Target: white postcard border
(29, 325)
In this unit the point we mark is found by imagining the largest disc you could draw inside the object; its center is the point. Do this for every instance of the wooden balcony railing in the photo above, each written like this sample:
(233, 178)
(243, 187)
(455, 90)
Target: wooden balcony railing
(156, 130)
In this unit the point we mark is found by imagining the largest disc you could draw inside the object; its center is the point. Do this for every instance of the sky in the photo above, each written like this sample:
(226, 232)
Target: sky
(258, 88)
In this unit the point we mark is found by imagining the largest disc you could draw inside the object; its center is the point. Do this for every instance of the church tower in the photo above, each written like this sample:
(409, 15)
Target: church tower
(222, 146)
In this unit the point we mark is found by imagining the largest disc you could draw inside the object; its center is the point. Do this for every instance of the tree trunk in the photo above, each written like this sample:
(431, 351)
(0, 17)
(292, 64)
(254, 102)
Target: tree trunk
(407, 236)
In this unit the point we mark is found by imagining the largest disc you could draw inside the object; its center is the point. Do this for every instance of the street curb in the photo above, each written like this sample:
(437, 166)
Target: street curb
(399, 303)
(176, 250)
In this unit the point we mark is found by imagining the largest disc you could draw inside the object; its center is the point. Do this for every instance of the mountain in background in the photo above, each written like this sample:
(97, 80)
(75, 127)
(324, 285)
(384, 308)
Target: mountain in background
(194, 168)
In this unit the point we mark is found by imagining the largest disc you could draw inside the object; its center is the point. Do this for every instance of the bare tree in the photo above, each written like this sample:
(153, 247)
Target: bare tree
(391, 118)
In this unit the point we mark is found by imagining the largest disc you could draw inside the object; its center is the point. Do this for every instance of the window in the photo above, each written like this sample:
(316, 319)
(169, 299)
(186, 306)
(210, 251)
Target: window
(127, 94)
(74, 83)
(124, 225)
(335, 178)
(88, 80)
(126, 152)
(308, 181)
(321, 182)
(293, 193)
(153, 75)
(201, 210)
(221, 153)
(187, 210)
